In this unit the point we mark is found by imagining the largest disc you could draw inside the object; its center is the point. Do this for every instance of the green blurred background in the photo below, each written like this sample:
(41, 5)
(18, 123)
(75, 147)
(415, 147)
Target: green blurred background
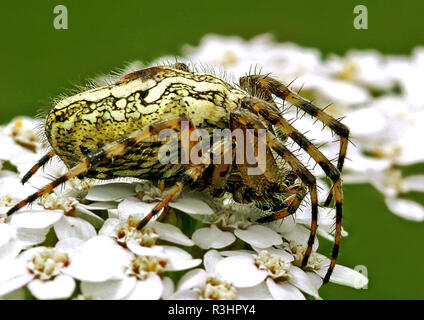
(38, 63)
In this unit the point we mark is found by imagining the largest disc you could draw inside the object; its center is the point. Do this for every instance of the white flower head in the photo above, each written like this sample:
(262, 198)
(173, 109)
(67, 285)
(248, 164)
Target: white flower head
(42, 269)
(207, 284)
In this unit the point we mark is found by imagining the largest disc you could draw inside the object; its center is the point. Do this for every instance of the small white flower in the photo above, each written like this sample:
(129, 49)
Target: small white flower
(232, 220)
(143, 274)
(99, 259)
(19, 139)
(212, 237)
(42, 270)
(408, 72)
(273, 267)
(130, 213)
(364, 68)
(11, 190)
(206, 284)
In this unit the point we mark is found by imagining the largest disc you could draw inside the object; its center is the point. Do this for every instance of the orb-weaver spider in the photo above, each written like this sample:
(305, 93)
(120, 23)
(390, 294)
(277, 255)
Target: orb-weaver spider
(111, 131)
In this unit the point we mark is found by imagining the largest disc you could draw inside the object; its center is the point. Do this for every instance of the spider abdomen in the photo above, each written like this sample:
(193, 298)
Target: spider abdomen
(87, 121)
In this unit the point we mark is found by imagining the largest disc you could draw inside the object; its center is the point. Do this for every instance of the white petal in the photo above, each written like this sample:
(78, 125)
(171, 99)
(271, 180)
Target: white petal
(108, 290)
(326, 216)
(6, 233)
(10, 149)
(100, 259)
(148, 289)
(259, 292)
(15, 283)
(345, 276)
(184, 295)
(84, 213)
(132, 206)
(366, 121)
(137, 249)
(282, 225)
(171, 233)
(325, 234)
(301, 280)
(109, 227)
(28, 254)
(70, 227)
(11, 249)
(60, 287)
(31, 236)
(36, 219)
(413, 183)
(315, 279)
(183, 264)
(361, 165)
(110, 192)
(406, 208)
(284, 291)
(179, 259)
(259, 236)
(192, 279)
(13, 275)
(100, 241)
(168, 287)
(69, 245)
(232, 253)
(212, 237)
(191, 205)
(210, 260)
(300, 235)
(240, 271)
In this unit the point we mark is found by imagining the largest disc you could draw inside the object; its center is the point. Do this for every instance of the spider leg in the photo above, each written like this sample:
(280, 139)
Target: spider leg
(218, 179)
(292, 204)
(269, 175)
(248, 119)
(266, 85)
(113, 149)
(190, 176)
(271, 113)
(40, 163)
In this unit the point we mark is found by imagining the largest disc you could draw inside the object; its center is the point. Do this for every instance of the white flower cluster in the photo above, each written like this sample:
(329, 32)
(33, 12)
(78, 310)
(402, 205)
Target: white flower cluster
(81, 241)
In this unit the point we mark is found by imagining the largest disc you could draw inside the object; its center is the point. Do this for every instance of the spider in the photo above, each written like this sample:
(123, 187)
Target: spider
(112, 131)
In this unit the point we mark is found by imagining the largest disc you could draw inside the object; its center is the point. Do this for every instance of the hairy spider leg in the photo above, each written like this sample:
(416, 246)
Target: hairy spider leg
(271, 113)
(189, 176)
(269, 85)
(247, 118)
(40, 163)
(292, 204)
(296, 192)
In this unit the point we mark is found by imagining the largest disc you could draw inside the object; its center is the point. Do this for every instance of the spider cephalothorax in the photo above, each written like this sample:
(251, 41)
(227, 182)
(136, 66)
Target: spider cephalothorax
(114, 131)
